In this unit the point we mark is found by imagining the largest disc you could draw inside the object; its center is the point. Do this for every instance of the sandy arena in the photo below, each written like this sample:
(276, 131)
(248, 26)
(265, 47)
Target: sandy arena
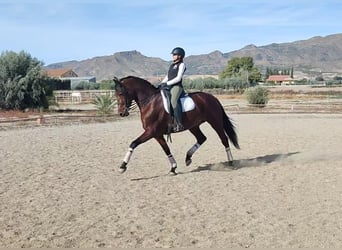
(60, 186)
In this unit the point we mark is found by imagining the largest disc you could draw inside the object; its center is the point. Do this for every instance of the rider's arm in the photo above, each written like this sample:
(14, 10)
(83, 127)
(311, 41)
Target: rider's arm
(165, 79)
(178, 78)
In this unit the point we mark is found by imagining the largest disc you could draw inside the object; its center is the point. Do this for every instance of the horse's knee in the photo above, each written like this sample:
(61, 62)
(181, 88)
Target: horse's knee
(202, 139)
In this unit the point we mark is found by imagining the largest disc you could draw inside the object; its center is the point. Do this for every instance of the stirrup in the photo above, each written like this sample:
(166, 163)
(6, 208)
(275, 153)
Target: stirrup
(178, 127)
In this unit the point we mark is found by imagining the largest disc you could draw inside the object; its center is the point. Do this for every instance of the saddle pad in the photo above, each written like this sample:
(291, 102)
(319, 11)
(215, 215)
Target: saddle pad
(186, 101)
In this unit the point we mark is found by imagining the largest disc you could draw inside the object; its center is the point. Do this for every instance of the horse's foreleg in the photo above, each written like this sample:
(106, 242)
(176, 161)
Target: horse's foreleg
(172, 161)
(141, 139)
(201, 138)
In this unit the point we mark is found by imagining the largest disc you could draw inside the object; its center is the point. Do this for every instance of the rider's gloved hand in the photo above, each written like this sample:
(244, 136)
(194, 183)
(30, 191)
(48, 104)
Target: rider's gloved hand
(163, 85)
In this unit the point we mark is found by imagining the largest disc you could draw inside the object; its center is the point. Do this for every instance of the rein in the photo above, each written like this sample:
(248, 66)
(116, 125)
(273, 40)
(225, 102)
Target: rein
(140, 103)
(145, 101)
(128, 102)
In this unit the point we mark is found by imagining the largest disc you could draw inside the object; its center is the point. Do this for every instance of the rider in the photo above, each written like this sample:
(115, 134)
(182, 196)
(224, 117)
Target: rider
(173, 82)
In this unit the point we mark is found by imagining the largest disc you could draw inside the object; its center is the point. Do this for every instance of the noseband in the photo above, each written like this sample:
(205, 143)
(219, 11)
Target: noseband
(128, 103)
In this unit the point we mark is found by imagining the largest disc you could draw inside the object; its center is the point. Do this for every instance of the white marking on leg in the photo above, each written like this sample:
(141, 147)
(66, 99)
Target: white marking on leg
(229, 154)
(128, 155)
(193, 149)
(172, 161)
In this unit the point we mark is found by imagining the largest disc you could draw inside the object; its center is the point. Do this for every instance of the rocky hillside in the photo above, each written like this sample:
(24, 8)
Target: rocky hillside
(320, 54)
(317, 54)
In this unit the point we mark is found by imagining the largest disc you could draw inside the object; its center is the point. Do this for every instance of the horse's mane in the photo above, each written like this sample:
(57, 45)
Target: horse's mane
(138, 79)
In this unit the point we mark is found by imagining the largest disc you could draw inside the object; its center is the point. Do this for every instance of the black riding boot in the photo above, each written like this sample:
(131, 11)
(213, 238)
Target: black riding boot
(178, 116)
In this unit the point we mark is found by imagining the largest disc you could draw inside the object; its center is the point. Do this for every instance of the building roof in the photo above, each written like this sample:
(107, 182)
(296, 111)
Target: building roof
(279, 78)
(60, 72)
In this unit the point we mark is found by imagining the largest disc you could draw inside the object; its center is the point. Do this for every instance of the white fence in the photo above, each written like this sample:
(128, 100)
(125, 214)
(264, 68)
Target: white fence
(79, 96)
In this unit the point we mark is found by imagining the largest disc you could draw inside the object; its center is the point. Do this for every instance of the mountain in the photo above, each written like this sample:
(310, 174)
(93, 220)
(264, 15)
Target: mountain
(319, 54)
(119, 64)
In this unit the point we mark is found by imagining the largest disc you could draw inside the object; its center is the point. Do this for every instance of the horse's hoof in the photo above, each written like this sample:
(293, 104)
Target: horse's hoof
(173, 172)
(230, 163)
(188, 162)
(123, 168)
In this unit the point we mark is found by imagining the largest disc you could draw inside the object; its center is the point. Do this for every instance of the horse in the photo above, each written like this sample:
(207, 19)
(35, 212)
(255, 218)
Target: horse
(155, 119)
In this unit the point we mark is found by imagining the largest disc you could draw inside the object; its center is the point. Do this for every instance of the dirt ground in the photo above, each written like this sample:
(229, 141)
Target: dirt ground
(59, 186)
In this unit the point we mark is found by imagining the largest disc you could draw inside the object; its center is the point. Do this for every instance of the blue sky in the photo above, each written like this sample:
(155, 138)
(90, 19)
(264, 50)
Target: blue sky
(62, 30)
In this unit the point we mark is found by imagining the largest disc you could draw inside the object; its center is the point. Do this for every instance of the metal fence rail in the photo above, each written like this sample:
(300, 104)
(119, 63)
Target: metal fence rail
(331, 107)
(79, 96)
(53, 120)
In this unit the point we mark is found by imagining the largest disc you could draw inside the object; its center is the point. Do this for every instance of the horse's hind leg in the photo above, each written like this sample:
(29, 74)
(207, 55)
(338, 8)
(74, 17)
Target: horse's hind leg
(224, 139)
(201, 138)
(172, 161)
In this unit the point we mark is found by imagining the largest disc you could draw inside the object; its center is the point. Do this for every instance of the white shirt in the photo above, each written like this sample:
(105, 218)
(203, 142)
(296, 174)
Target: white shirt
(178, 78)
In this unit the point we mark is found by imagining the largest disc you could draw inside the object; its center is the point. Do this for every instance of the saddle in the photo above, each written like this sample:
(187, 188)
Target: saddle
(187, 103)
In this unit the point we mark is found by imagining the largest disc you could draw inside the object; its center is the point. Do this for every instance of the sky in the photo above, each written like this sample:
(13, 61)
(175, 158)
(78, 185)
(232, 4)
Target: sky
(64, 30)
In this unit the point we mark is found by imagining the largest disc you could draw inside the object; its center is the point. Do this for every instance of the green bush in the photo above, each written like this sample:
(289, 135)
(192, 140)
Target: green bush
(107, 84)
(237, 84)
(84, 85)
(257, 95)
(104, 104)
(21, 82)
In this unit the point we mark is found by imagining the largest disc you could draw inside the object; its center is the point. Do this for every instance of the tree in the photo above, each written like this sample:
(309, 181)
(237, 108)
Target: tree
(241, 67)
(232, 69)
(279, 71)
(21, 81)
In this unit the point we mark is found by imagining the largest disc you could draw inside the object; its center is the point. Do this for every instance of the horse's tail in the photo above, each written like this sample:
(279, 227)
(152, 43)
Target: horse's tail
(230, 129)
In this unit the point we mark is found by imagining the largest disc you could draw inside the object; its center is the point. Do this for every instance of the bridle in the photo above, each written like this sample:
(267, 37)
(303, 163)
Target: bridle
(129, 104)
(128, 101)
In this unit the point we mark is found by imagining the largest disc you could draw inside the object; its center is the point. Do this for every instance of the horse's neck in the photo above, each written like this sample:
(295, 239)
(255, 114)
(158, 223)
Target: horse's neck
(145, 96)
(143, 90)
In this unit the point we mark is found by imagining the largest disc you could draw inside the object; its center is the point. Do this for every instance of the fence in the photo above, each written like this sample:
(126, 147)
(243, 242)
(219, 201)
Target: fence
(332, 107)
(79, 96)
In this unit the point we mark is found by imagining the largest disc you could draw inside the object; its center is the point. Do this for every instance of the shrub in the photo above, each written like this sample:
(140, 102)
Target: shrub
(21, 82)
(104, 104)
(84, 85)
(257, 95)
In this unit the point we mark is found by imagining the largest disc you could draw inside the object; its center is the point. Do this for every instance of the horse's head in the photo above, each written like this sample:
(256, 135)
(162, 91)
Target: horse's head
(123, 97)
(132, 88)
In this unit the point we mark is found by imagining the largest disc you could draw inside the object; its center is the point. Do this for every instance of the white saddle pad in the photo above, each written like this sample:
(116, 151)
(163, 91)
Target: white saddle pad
(187, 103)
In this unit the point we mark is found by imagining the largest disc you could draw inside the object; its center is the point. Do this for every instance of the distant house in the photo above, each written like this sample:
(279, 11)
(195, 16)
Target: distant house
(69, 75)
(280, 79)
(58, 73)
(76, 80)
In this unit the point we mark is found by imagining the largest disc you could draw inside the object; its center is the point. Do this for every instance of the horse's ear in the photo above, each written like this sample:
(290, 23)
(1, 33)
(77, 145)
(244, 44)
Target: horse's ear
(117, 83)
(116, 80)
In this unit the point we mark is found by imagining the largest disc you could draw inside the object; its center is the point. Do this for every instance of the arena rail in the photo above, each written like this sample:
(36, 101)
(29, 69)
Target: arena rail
(79, 96)
(53, 120)
(332, 107)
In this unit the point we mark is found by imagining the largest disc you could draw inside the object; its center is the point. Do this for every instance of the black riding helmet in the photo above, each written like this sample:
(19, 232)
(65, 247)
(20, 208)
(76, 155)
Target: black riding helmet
(178, 51)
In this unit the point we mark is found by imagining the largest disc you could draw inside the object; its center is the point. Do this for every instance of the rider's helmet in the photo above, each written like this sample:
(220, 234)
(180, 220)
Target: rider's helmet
(178, 51)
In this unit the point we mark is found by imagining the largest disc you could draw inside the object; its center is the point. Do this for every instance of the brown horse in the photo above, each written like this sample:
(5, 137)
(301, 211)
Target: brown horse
(155, 119)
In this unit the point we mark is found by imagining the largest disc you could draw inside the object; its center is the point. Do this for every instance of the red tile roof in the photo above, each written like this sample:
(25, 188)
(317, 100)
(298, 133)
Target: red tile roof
(279, 78)
(60, 72)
